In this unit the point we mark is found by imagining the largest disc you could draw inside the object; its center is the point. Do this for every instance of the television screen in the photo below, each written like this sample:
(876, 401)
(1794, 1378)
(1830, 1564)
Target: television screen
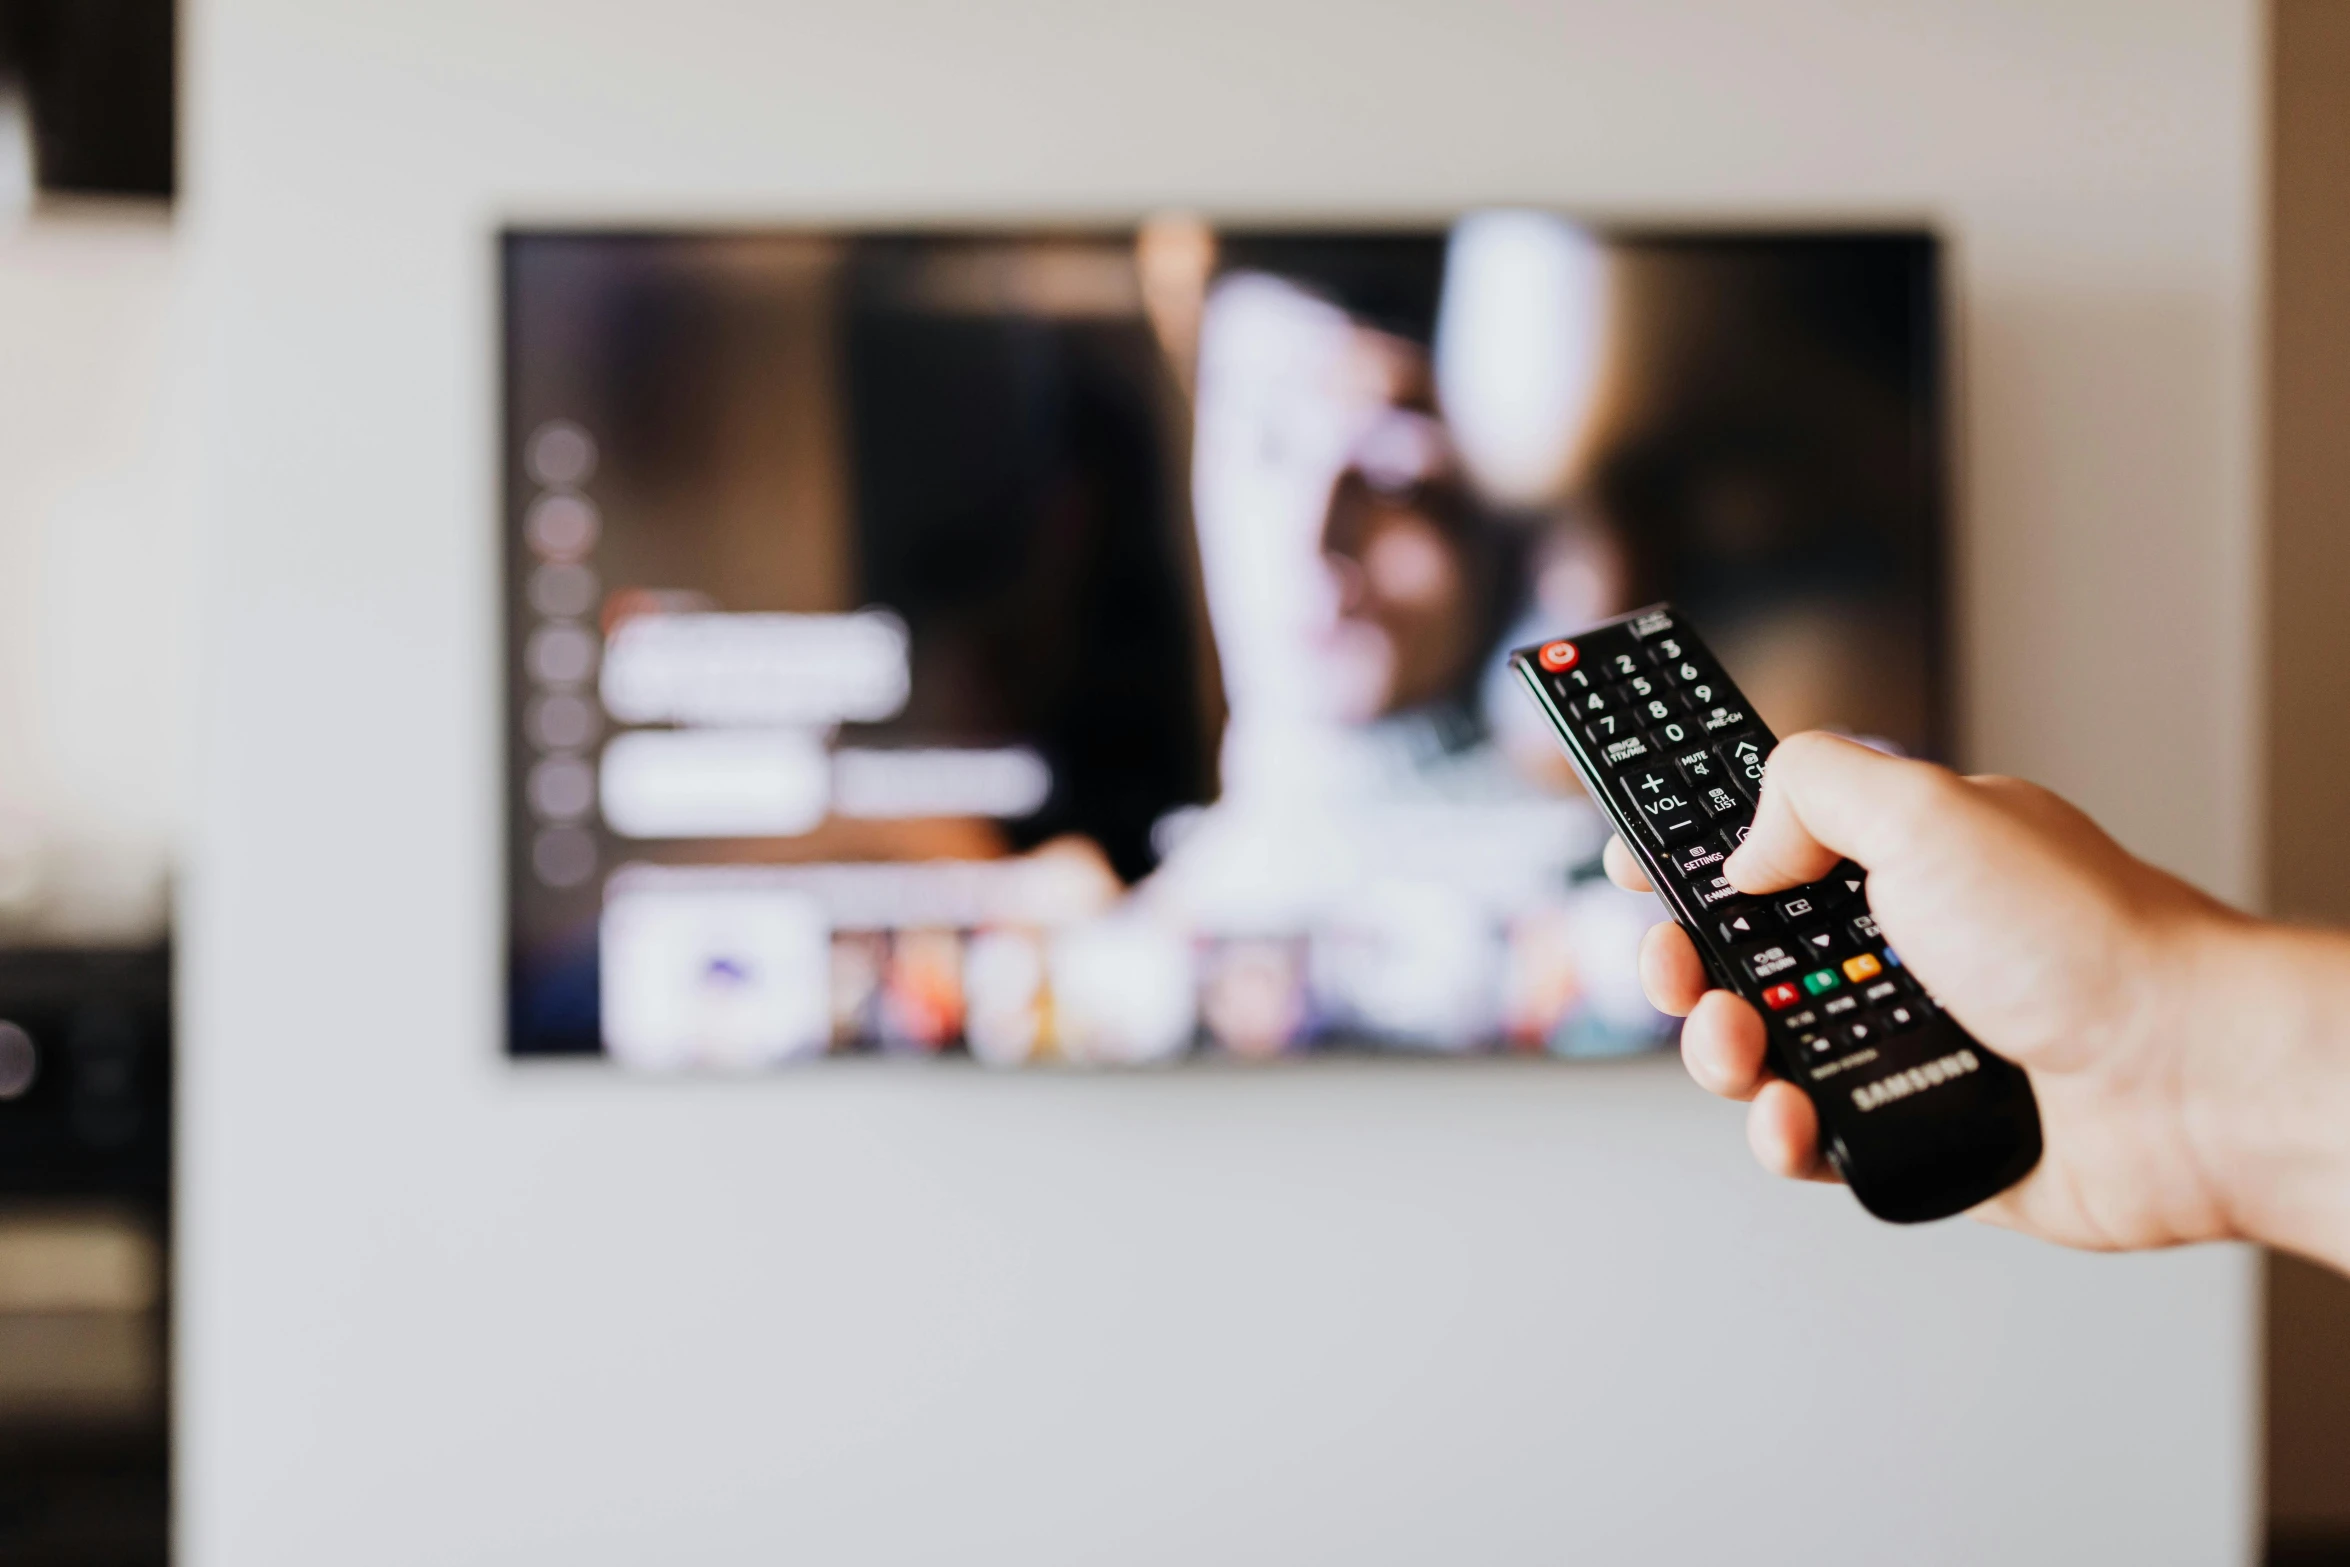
(1087, 646)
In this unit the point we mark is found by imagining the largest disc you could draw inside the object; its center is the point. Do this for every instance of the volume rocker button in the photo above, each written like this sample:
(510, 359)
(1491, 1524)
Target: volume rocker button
(1662, 805)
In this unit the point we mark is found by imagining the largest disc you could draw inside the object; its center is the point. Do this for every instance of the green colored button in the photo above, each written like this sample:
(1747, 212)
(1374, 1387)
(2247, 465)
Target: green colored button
(1820, 981)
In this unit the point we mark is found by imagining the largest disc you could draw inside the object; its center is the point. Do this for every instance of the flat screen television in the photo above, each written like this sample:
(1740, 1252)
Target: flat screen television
(1085, 646)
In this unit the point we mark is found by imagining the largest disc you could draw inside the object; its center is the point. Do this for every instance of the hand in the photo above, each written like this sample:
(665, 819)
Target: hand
(2133, 1001)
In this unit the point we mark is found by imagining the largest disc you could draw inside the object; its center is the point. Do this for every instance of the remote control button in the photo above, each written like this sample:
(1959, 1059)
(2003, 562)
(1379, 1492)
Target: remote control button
(1620, 666)
(1673, 734)
(1721, 720)
(1817, 944)
(1814, 1044)
(1655, 623)
(1800, 904)
(1893, 959)
(1904, 1016)
(1807, 1018)
(1641, 687)
(1734, 838)
(1656, 711)
(1864, 930)
(1664, 651)
(1717, 800)
(1840, 1006)
(1768, 963)
(1882, 991)
(1606, 727)
(1700, 767)
(1588, 704)
(1663, 808)
(1618, 750)
(1696, 861)
(1857, 1033)
(1863, 968)
(1843, 884)
(1744, 756)
(1557, 657)
(1716, 894)
(1780, 997)
(1574, 683)
(1684, 671)
(1822, 980)
(1747, 924)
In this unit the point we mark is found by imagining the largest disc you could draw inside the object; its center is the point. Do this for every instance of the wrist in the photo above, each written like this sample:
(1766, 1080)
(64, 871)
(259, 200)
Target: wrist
(2261, 1042)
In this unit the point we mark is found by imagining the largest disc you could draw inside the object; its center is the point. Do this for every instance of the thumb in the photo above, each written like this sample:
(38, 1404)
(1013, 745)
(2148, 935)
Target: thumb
(1827, 798)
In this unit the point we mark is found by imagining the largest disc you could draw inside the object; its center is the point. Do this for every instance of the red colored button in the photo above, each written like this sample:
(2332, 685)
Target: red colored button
(1780, 997)
(1556, 656)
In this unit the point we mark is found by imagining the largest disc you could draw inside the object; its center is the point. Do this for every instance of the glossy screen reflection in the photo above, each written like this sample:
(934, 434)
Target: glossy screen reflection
(1088, 647)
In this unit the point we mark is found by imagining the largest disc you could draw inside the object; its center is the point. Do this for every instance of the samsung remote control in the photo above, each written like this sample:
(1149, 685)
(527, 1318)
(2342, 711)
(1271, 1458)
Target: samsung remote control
(1920, 1119)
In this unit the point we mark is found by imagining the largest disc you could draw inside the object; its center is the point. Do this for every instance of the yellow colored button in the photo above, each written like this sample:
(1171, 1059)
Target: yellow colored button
(1863, 967)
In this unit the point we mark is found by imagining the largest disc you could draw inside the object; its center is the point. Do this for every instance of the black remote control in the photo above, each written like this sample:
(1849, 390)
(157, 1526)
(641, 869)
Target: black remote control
(1920, 1119)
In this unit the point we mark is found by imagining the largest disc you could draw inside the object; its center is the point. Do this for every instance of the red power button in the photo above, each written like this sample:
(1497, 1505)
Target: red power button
(1556, 656)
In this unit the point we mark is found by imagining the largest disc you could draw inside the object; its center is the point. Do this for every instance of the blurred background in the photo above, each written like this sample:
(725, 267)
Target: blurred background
(432, 437)
(96, 603)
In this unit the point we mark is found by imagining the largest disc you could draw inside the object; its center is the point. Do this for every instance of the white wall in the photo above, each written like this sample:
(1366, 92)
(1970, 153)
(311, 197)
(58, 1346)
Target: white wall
(440, 1310)
(95, 567)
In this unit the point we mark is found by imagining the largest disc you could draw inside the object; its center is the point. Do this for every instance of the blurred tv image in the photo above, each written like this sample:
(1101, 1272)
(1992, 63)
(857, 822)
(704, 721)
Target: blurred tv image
(1087, 647)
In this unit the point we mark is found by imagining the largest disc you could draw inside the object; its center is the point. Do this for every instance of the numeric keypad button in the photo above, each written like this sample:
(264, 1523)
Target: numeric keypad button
(1666, 650)
(1673, 734)
(1605, 727)
(1684, 671)
(1573, 683)
(1620, 666)
(1657, 711)
(1641, 687)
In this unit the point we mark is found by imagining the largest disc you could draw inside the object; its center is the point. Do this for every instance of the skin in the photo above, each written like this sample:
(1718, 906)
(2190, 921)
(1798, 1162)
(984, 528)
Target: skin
(2192, 1063)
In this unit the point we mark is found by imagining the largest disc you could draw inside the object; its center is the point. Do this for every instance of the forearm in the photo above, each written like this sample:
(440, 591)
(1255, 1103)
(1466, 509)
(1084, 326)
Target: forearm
(2266, 1085)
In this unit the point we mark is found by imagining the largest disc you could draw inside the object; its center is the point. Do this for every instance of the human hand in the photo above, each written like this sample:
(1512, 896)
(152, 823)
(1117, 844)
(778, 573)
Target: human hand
(2117, 987)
